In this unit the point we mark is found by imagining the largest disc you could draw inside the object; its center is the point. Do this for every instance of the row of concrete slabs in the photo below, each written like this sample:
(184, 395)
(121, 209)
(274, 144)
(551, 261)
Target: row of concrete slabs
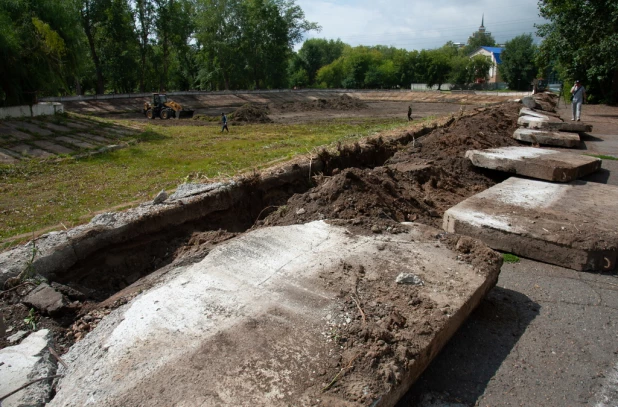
(570, 225)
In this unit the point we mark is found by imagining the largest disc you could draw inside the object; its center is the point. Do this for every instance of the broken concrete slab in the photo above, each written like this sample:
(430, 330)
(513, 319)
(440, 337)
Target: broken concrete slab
(550, 165)
(529, 102)
(573, 127)
(270, 318)
(570, 225)
(532, 122)
(549, 138)
(45, 299)
(22, 363)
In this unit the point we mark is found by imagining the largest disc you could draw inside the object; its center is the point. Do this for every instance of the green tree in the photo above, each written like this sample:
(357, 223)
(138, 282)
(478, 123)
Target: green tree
(40, 44)
(437, 67)
(316, 53)
(581, 39)
(479, 39)
(248, 42)
(479, 67)
(518, 67)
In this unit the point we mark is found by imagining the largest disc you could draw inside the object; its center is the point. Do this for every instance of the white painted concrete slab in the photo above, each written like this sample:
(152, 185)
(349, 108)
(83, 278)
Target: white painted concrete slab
(24, 362)
(525, 111)
(549, 138)
(255, 323)
(571, 225)
(550, 165)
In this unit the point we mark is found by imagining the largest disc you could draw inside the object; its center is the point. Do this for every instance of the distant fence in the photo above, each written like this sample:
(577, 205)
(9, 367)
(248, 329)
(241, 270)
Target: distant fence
(40, 109)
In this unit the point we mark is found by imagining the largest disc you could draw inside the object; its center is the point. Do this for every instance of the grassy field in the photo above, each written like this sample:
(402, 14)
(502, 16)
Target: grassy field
(37, 195)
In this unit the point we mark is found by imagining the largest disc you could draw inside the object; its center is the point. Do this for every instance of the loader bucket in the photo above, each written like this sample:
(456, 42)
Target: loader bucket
(185, 114)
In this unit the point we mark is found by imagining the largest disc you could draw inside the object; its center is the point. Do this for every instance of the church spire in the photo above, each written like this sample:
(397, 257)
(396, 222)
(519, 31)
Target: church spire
(483, 21)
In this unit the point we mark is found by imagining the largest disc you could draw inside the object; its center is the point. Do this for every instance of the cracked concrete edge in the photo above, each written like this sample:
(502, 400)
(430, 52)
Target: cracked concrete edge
(29, 360)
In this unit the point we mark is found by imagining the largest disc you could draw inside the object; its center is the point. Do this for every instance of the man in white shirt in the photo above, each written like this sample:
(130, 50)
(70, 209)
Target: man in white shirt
(578, 96)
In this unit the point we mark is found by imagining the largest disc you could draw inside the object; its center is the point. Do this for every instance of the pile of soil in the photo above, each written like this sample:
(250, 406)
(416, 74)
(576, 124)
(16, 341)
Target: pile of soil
(250, 113)
(419, 183)
(343, 102)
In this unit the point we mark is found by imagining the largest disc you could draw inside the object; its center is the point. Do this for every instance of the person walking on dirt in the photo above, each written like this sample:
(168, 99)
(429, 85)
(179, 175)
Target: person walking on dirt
(224, 123)
(578, 97)
(409, 113)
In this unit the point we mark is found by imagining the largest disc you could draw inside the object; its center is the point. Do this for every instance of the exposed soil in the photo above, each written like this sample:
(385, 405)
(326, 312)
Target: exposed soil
(343, 102)
(250, 113)
(418, 183)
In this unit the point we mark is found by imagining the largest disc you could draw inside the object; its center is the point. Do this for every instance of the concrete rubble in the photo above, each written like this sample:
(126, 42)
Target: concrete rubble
(253, 323)
(45, 299)
(550, 165)
(570, 225)
(22, 363)
(548, 138)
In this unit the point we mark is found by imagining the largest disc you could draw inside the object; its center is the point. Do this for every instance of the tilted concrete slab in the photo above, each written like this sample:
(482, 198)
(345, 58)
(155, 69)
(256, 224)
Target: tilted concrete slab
(550, 165)
(553, 124)
(549, 138)
(571, 225)
(533, 122)
(259, 322)
(525, 111)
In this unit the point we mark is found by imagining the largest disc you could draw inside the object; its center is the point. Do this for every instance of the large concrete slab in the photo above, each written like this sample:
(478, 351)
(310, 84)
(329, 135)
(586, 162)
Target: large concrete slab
(22, 363)
(550, 165)
(548, 138)
(553, 124)
(571, 225)
(285, 316)
(525, 111)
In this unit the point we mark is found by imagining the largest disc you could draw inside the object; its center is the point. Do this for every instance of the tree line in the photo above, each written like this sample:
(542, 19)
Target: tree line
(52, 47)
(56, 47)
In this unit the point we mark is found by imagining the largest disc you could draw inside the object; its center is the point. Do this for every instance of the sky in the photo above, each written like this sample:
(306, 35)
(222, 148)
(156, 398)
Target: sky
(418, 24)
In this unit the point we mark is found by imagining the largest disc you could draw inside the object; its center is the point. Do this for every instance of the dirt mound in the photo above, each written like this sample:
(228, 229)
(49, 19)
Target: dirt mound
(250, 113)
(418, 183)
(343, 102)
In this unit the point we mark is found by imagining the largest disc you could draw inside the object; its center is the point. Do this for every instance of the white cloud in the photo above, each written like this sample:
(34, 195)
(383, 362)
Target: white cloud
(418, 24)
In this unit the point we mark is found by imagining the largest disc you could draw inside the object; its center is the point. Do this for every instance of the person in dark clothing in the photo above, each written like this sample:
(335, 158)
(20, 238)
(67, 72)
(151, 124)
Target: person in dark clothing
(224, 123)
(409, 113)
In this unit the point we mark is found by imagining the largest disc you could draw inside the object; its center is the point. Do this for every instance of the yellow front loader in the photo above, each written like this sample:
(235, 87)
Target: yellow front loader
(164, 108)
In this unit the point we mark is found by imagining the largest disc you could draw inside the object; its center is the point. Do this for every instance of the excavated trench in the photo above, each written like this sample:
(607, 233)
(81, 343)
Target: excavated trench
(370, 185)
(116, 266)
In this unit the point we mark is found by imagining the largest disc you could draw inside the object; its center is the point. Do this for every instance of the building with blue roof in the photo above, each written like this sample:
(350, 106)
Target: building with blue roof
(494, 54)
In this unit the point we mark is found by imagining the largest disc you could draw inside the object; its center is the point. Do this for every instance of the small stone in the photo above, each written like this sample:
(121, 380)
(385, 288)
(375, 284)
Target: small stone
(409, 278)
(160, 198)
(45, 299)
(376, 229)
(301, 211)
